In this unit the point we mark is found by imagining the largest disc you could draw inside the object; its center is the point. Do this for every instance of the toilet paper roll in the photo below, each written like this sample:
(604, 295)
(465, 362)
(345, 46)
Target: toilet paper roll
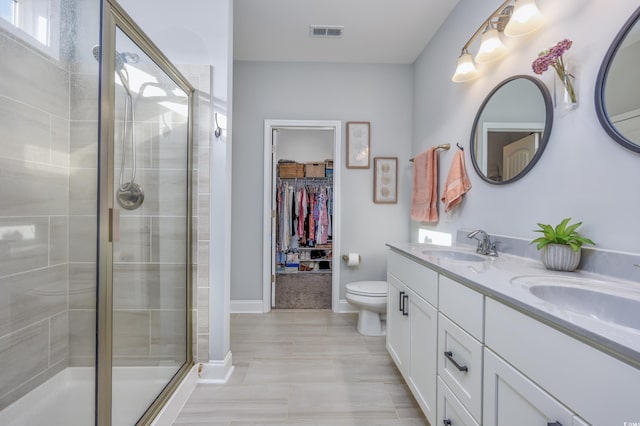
(354, 259)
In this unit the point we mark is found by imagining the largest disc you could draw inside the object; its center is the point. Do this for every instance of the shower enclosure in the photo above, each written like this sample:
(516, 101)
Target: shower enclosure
(95, 217)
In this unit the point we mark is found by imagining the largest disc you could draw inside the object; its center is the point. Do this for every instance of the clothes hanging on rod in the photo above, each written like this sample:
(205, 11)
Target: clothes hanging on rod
(304, 214)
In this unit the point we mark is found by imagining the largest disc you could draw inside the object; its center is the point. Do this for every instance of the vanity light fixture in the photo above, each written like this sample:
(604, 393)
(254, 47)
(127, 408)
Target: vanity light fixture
(522, 18)
(491, 47)
(526, 19)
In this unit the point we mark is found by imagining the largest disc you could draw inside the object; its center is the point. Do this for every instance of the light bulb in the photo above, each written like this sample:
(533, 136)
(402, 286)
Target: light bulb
(466, 70)
(526, 18)
(491, 47)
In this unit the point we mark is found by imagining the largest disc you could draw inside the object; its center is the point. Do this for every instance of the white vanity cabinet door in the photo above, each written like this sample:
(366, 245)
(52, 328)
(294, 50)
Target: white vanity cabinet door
(455, 346)
(397, 323)
(421, 378)
(450, 411)
(512, 399)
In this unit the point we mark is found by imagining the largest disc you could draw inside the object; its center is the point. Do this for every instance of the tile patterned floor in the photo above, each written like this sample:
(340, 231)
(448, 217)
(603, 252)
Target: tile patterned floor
(304, 368)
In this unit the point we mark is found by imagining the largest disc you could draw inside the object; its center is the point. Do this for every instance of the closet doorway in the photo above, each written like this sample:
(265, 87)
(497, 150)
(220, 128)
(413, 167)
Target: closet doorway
(301, 251)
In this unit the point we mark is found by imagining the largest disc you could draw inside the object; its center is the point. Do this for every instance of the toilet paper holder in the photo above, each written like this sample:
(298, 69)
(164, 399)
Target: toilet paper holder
(345, 257)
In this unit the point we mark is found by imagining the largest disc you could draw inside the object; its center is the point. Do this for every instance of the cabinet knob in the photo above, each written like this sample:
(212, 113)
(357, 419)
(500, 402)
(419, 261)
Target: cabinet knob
(554, 424)
(447, 422)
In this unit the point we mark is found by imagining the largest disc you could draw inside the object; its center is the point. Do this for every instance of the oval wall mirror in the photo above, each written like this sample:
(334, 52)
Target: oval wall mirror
(617, 90)
(511, 129)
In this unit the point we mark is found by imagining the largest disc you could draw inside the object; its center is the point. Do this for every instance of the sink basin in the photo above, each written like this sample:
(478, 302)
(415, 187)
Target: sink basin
(608, 307)
(455, 255)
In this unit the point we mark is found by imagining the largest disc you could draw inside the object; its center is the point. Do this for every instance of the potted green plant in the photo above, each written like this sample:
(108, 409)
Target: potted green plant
(561, 246)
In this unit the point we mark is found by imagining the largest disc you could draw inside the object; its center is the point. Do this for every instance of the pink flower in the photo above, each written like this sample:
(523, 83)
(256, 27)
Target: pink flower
(553, 58)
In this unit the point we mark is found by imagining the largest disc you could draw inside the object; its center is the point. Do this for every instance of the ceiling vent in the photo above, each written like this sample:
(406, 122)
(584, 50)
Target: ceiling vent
(325, 31)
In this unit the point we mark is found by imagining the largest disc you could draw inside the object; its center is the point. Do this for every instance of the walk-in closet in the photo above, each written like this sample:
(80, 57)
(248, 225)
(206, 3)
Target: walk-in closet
(303, 204)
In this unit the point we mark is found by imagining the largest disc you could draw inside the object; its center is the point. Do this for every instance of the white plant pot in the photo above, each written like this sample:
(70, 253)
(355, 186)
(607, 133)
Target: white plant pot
(559, 257)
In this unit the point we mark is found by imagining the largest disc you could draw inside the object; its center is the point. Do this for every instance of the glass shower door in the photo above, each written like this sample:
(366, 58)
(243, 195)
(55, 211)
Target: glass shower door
(151, 256)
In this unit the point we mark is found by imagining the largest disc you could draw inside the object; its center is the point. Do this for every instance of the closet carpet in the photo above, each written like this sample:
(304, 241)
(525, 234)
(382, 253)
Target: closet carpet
(297, 367)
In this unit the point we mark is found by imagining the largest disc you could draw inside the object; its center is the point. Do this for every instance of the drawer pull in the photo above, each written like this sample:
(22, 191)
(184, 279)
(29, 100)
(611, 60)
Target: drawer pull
(400, 302)
(449, 356)
(447, 422)
(405, 312)
(554, 424)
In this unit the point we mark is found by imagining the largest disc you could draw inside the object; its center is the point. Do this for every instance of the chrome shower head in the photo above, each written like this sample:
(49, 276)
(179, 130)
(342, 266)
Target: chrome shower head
(121, 58)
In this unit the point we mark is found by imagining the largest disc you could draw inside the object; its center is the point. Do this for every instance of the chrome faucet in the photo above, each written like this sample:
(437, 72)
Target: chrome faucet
(485, 246)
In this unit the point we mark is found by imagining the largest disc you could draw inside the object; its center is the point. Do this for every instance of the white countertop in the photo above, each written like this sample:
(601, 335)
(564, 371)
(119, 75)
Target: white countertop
(498, 278)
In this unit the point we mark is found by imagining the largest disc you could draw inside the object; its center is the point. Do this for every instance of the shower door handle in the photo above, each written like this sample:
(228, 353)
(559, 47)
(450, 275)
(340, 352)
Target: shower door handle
(114, 225)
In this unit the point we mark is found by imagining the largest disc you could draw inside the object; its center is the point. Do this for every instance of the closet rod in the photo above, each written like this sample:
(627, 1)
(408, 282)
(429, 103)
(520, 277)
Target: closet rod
(444, 146)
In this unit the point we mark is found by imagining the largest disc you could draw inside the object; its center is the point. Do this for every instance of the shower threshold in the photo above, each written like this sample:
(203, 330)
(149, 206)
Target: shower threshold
(68, 397)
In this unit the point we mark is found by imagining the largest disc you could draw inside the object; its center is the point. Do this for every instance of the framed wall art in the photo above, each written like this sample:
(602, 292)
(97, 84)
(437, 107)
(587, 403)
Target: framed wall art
(358, 139)
(385, 180)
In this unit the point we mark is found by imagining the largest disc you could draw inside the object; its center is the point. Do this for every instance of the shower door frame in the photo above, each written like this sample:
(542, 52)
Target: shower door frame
(113, 16)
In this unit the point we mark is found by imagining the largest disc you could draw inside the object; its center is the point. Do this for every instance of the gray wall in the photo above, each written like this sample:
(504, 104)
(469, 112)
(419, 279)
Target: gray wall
(380, 94)
(582, 173)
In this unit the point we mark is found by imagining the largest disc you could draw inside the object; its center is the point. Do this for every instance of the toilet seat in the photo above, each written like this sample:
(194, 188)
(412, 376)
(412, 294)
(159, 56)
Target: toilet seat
(368, 288)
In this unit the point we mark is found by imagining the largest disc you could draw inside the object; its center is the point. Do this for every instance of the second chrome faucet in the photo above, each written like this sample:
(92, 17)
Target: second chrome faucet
(485, 246)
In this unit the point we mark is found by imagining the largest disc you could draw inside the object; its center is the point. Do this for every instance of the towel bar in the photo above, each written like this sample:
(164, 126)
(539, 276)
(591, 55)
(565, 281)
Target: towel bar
(444, 146)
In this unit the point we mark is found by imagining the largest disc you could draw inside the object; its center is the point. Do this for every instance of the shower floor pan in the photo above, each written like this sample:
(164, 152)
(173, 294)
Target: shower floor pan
(68, 397)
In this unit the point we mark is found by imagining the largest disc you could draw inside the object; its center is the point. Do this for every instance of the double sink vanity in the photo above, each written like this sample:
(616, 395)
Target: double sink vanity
(484, 340)
(500, 340)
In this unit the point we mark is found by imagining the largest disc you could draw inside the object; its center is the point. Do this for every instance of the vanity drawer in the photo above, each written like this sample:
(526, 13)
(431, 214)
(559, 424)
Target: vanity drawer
(455, 346)
(450, 410)
(463, 306)
(418, 278)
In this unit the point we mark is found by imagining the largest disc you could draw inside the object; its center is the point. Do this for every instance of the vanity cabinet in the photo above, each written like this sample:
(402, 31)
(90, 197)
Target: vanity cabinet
(596, 387)
(412, 328)
(470, 359)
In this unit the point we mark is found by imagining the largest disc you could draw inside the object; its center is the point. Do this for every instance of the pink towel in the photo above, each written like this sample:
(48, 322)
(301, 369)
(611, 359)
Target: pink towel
(457, 183)
(424, 201)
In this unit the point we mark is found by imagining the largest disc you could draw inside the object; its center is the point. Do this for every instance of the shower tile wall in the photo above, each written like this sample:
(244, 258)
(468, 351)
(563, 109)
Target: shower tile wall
(200, 77)
(83, 173)
(151, 310)
(34, 187)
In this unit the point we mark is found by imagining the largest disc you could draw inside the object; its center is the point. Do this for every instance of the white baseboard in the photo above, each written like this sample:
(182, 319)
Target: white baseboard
(246, 307)
(172, 408)
(216, 371)
(345, 307)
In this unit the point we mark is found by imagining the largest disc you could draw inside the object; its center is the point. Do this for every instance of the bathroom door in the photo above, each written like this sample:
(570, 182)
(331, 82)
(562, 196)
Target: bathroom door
(148, 261)
(517, 155)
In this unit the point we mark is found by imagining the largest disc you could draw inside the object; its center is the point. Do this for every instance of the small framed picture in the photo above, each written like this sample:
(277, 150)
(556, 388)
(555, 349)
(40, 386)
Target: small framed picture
(358, 138)
(385, 180)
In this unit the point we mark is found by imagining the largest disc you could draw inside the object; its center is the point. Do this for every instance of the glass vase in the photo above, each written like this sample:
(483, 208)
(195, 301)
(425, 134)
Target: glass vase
(566, 89)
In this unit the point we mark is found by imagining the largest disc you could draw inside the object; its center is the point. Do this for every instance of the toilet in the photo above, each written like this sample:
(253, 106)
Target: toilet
(370, 297)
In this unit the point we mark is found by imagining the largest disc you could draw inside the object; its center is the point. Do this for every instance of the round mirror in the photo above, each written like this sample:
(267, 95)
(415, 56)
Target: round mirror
(511, 129)
(617, 88)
